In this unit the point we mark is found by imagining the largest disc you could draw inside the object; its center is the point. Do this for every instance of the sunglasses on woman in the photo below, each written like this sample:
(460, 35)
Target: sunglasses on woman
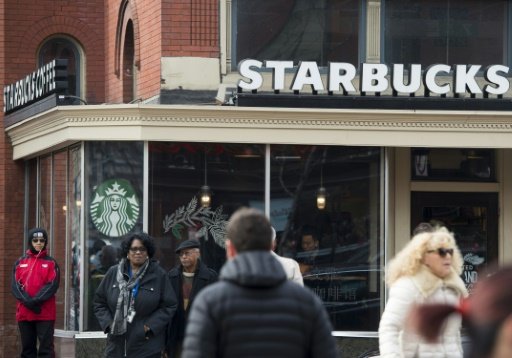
(442, 251)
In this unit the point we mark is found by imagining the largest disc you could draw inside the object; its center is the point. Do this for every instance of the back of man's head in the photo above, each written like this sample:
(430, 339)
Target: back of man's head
(248, 230)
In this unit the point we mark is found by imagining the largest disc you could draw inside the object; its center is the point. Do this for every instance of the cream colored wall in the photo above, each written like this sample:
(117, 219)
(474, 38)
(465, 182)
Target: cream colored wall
(190, 73)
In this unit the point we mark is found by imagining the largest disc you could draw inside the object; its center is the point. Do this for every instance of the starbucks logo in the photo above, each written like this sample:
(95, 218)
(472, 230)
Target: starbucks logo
(115, 208)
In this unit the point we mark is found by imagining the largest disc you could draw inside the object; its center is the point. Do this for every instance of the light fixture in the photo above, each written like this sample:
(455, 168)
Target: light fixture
(205, 195)
(321, 194)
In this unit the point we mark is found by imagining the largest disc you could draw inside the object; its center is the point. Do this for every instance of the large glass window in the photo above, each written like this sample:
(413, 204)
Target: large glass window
(325, 207)
(73, 208)
(445, 31)
(324, 202)
(113, 208)
(178, 175)
(53, 202)
(296, 30)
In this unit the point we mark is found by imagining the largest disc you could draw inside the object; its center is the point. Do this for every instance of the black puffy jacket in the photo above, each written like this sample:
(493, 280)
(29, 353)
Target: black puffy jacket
(254, 311)
(155, 305)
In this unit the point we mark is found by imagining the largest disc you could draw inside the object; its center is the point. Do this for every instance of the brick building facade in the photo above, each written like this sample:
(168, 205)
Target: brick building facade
(154, 100)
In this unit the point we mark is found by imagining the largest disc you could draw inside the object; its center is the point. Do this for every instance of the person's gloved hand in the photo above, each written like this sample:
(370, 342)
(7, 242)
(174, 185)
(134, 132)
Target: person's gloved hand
(34, 307)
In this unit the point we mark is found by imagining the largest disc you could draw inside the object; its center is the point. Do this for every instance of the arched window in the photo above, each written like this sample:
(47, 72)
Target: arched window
(125, 53)
(64, 48)
(128, 64)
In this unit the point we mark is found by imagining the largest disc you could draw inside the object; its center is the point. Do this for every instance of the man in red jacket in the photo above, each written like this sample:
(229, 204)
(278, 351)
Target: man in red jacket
(35, 280)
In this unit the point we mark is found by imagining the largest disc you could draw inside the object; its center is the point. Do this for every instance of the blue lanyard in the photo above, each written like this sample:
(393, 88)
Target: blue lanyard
(135, 289)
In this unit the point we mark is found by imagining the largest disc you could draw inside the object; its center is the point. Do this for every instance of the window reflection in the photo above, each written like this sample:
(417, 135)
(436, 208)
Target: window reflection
(114, 170)
(235, 176)
(338, 247)
(445, 31)
(298, 30)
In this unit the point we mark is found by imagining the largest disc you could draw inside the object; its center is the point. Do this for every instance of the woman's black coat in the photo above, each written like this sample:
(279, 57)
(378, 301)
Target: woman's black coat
(155, 306)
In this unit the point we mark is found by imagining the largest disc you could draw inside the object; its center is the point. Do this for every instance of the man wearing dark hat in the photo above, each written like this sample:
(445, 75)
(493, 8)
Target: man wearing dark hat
(35, 281)
(187, 278)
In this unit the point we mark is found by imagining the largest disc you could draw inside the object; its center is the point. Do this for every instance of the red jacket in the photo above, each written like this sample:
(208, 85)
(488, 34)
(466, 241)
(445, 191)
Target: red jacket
(35, 280)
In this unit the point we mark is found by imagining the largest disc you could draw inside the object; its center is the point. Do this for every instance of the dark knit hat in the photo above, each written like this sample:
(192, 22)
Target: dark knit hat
(187, 244)
(37, 233)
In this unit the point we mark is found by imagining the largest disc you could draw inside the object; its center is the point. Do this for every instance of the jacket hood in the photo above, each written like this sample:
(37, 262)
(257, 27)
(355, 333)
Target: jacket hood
(37, 232)
(254, 269)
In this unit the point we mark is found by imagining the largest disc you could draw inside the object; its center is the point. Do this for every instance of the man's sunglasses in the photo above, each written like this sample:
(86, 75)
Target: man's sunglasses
(38, 240)
(442, 251)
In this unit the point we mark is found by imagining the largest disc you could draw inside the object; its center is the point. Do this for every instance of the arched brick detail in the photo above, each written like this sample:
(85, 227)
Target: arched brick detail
(40, 30)
(85, 35)
(127, 12)
(136, 31)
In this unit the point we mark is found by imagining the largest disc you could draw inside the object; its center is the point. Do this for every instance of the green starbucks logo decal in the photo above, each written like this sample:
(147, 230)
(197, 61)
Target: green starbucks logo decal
(115, 207)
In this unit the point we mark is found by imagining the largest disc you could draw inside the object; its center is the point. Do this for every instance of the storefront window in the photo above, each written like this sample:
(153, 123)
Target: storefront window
(58, 232)
(301, 30)
(53, 202)
(337, 242)
(445, 31)
(73, 208)
(178, 172)
(113, 209)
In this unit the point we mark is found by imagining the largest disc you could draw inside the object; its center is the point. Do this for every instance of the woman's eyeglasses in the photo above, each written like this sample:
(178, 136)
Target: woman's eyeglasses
(442, 251)
(141, 249)
(35, 241)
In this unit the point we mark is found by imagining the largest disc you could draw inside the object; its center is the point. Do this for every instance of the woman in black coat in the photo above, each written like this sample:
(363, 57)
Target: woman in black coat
(135, 302)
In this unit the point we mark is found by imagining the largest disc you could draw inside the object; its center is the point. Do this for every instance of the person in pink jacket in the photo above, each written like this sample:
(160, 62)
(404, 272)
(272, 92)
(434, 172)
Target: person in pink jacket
(35, 280)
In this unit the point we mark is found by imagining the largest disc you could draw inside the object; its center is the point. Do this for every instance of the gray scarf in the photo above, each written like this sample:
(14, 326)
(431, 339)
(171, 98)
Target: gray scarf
(118, 326)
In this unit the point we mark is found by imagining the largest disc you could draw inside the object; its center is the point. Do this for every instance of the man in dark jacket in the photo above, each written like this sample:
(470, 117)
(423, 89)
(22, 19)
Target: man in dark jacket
(187, 279)
(254, 311)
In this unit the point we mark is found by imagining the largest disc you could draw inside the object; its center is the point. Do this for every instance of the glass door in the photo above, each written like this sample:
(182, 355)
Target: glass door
(472, 217)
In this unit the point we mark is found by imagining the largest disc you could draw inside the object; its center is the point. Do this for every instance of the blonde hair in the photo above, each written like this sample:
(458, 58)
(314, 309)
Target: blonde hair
(409, 260)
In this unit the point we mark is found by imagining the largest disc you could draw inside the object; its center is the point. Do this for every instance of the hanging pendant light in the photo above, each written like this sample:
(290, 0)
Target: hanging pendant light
(321, 194)
(205, 196)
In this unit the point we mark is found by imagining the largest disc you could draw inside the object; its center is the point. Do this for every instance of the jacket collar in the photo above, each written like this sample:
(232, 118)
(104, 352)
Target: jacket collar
(254, 269)
(428, 283)
(39, 254)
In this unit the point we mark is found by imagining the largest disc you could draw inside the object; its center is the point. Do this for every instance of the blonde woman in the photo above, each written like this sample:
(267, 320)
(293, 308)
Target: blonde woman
(426, 270)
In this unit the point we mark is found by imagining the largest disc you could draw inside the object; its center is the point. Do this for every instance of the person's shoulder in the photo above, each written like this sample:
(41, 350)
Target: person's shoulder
(215, 290)
(155, 267)
(206, 272)
(20, 260)
(287, 260)
(175, 271)
(51, 259)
